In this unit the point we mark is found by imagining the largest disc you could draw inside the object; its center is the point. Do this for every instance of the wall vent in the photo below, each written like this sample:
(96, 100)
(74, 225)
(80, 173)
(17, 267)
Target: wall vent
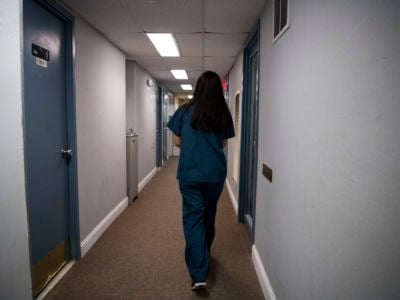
(281, 18)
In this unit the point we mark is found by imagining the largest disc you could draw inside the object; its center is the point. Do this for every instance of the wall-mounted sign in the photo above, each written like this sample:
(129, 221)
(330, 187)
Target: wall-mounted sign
(42, 55)
(41, 62)
(40, 52)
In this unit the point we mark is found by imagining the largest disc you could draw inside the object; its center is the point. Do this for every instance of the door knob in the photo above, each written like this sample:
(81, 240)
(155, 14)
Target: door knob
(66, 153)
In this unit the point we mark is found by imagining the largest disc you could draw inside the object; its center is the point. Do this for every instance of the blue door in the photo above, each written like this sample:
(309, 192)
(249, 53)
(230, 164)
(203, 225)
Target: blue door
(159, 127)
(164, 117)
(249, 142)
(46, 141)
(162, 129)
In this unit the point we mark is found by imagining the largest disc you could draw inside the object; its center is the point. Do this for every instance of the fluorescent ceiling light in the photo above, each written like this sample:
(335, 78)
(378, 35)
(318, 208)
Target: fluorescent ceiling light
(179, 74)
(186, 87)
(164, 43)
(190, 96)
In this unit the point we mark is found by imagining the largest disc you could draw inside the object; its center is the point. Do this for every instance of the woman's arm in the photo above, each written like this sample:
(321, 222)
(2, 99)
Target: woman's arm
(224, 142)
(177, 141)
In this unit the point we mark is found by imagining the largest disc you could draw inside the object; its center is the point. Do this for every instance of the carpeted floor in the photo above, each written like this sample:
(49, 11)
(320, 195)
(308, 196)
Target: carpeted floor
(140, 256)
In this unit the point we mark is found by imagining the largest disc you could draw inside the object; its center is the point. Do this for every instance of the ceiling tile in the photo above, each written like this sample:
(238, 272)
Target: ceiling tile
(194, 75)
(190, 44)
(175, 87)
(106, 16)
(167, 16)
(232, 15)
(187, 63)
(217, 44)
(219, 63)
(151, 63)
(133, 44)
(163, 75)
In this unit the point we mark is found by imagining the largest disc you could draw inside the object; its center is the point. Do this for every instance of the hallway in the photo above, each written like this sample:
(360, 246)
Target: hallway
(313, 87)
(140, 256)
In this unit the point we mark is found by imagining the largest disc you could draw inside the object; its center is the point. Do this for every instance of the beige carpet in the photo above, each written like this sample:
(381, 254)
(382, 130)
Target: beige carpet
(141, 255)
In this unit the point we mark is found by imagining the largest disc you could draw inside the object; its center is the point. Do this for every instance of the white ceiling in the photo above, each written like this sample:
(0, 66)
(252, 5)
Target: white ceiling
(209, 33)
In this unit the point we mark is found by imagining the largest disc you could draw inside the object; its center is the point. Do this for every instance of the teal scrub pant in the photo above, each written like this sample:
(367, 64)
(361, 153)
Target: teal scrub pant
(199, 207)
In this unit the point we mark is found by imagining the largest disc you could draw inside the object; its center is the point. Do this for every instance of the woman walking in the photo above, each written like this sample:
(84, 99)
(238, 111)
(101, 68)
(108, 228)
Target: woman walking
(201, 129)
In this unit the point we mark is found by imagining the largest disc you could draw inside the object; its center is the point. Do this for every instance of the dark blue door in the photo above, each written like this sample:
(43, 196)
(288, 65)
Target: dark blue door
(251, 177)
(249, 142)
(159, 127)
(164, 117)
(47, 151)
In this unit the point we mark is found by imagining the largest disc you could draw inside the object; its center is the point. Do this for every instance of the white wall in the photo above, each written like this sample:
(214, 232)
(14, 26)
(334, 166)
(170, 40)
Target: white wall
(141, 115)
(328, 226)
(15, 280)
(100, 111)
(130, 96)
(235, 86)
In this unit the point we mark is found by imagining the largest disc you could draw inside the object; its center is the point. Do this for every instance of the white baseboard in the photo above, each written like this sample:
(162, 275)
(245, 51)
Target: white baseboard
(146, 180)
(96, 233)
(262, 275)
(232, 196)
(55, 280)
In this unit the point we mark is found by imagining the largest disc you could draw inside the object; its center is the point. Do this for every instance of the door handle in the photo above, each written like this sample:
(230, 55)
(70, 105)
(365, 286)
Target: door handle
(66, 153)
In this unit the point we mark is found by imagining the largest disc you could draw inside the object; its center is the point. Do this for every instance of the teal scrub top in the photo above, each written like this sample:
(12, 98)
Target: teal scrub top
(202, 158)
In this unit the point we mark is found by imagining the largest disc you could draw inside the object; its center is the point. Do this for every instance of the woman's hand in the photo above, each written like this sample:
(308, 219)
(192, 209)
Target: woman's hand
(177, 141)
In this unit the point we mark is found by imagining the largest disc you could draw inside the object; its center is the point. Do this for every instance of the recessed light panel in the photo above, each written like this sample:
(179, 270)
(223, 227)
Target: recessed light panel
(179, 74)
(186, 87)
(164, 43)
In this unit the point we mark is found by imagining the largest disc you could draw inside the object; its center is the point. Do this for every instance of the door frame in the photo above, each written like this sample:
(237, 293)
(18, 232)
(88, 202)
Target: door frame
(159, 127)
(73, 212)
(164, 118)
(245, 151)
